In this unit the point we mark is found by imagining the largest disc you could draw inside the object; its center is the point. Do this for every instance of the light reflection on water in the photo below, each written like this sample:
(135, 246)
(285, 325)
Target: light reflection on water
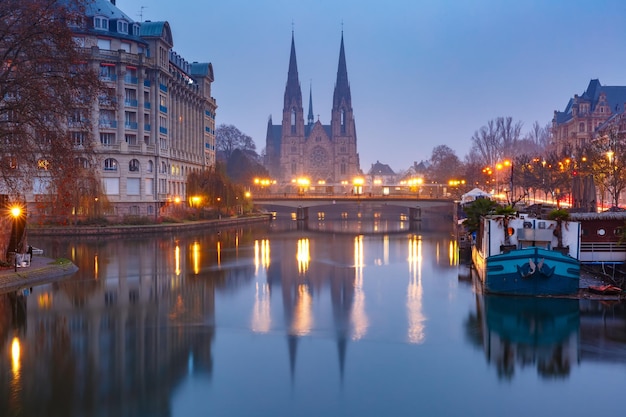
(288, 320)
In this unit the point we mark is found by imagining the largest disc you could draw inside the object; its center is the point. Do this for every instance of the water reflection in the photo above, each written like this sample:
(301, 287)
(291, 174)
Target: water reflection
(527, 331)
(141, 317)
(416, 317)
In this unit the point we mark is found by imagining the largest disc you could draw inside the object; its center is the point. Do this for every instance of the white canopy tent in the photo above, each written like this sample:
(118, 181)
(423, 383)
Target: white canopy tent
(473, 195)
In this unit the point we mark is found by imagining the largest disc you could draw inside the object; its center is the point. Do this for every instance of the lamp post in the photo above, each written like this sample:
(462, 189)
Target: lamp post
(16, 211)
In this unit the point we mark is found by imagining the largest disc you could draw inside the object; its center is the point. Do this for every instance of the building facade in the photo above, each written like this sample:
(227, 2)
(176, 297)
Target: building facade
(578, 124)
(155, 121)
(317, 153)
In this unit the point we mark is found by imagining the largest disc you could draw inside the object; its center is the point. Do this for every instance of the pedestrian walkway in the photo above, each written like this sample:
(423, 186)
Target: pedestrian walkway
(41, 270)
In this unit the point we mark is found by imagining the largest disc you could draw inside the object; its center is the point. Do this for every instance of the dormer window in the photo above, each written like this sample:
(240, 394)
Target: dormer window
(135, 29)
(100, 23)
(122, 26)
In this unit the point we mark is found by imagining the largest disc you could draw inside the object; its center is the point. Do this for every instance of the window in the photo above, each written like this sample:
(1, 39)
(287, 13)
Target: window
(122, 26)
(82, 163)
(581, 127)
(100, 23)
(293, 121)
(132, 186)
(343, 121)
(293, 167)
(79, 138)
(131, 139)
(125, 46)
(149, 186)
(163, 167)
(111, 186)
(107, 139)
(107, 72)
(150, 167)
(133, 165)
(110, 164)
(104, 44)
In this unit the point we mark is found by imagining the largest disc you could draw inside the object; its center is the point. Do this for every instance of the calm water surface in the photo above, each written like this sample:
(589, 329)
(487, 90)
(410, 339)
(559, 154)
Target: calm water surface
(277, 321)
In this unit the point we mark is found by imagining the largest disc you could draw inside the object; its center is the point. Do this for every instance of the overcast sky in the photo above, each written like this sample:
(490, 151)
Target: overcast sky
(422, 72)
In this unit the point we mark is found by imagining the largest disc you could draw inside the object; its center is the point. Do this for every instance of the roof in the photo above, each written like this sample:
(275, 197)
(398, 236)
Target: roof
(105, 8)
(380, 169)
(615, 96)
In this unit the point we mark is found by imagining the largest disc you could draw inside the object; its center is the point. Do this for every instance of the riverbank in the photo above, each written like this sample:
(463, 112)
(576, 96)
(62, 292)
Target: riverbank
(42, 270)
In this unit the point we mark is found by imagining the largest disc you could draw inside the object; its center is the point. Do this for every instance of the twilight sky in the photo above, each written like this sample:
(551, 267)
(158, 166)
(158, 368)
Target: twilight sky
(422, 72)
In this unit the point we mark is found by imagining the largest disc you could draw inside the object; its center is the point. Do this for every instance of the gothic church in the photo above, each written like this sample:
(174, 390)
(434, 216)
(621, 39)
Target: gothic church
(324, 154)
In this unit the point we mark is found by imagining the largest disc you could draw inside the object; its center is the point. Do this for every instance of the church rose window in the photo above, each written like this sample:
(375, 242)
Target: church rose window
(319, 157)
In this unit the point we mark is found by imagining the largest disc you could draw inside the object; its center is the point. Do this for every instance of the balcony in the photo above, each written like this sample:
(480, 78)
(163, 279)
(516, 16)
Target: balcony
(163, 130)
(111, 124)
(147, 105)
(146, 83)
(146, 127)
(130, 80)
(163, 88)
(130, 125)
(163, 109)
(130, 103)
(108, 78)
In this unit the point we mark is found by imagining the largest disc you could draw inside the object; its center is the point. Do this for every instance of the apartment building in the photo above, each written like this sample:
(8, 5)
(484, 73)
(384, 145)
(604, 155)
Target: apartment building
(155, 121)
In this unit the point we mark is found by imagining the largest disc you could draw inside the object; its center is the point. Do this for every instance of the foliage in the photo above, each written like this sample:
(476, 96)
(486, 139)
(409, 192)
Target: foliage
(216, 190)
(444, 165)
(608, 158)
(47, 88)
(560, 215)
(475, 210)
(242, 167)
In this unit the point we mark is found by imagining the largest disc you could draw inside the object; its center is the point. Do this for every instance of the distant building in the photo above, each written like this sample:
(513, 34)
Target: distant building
(579, 122)
(155, 121)
(381, 174)
(323, 154)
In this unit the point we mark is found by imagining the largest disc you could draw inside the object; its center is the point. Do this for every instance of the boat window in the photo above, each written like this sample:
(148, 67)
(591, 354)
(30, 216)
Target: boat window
(618, 231)
(541, 225)
(528, 225)
(601, 232)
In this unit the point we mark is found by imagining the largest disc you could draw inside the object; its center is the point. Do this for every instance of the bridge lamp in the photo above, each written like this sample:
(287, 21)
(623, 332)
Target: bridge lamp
(358, 185)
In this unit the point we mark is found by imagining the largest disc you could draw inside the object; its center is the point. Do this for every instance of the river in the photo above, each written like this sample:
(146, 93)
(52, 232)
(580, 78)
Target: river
(342, 317)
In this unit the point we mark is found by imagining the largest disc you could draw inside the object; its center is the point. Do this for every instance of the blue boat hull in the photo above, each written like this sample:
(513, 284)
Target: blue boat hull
(528, 271)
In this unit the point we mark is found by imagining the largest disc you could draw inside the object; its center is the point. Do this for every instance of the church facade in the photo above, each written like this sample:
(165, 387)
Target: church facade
(317, 153)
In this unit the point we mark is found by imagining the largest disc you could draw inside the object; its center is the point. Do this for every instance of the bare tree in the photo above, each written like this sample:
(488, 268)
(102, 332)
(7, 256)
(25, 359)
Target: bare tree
(509, 133)
(228, 138)
(486, 144)
(46, 88)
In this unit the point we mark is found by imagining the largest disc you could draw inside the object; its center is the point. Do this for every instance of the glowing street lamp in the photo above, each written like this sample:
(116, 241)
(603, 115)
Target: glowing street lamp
(16, 212)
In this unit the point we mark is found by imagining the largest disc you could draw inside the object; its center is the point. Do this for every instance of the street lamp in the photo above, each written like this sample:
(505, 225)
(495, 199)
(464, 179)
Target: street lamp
(16, 212)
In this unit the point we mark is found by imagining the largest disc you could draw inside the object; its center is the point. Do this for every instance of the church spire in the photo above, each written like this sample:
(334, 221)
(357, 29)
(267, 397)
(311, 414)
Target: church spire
(310, 118)
(342, 86)
(293, 91)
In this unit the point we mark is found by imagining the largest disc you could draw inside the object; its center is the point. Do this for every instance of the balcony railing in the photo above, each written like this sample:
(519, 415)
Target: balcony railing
(146, 127)
(147, 105)
(130, 103)
(107, 123)
(163, 109)
(130, 80)
(130, 125)
(163, 130)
